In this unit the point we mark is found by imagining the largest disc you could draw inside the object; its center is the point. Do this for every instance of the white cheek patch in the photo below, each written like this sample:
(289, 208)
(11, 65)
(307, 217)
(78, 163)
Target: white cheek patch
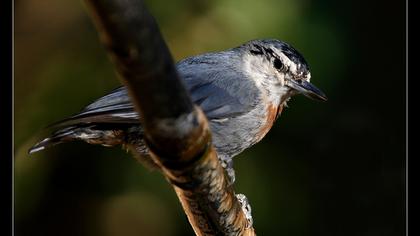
(280, 76)
(266, 77)
(258, 68)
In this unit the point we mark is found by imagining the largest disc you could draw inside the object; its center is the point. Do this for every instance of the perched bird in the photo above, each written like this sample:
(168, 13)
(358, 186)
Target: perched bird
(242, 91)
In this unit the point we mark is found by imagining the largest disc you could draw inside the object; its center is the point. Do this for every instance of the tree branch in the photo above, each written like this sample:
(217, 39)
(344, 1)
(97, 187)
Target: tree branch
(177, 132)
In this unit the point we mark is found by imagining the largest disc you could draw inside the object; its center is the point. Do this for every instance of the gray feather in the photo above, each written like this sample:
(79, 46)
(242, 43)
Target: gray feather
(214, 89)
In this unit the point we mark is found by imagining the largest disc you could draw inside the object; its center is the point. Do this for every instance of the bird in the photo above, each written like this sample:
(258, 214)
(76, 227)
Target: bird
(241, 90)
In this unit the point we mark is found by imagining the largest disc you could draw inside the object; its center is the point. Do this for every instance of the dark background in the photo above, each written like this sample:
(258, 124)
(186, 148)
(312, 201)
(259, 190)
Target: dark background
(6, 140)
(335, 168)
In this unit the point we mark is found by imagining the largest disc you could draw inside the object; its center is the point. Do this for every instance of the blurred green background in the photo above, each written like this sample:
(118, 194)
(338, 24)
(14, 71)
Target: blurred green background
(335, 168)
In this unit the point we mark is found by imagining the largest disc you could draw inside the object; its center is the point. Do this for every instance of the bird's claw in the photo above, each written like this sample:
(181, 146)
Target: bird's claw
(246, 208)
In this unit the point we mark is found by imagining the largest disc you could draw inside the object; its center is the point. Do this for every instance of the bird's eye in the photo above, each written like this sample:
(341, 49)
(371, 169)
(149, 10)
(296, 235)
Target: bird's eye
(278, 64)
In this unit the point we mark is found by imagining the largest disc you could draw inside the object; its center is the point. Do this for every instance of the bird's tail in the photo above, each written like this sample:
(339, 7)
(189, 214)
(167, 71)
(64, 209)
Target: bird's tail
(61, 136)
(91, 134)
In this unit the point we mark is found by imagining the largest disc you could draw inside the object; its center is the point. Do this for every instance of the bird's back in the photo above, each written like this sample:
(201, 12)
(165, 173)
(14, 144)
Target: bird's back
(230, 100)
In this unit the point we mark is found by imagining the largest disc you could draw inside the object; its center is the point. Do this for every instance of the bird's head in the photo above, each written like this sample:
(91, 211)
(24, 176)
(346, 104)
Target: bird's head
(279, 68)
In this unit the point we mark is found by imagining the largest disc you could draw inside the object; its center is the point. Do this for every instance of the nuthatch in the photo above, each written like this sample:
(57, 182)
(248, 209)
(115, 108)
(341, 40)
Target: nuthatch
(241, 90)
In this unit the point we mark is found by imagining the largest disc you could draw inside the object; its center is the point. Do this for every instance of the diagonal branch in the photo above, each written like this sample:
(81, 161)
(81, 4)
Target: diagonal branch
(177, 132)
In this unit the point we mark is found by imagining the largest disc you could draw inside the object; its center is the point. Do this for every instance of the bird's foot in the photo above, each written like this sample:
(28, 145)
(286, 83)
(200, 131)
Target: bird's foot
(246, 208)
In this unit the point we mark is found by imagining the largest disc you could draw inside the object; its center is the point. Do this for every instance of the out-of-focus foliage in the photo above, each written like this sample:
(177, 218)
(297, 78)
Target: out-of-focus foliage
(334, 168)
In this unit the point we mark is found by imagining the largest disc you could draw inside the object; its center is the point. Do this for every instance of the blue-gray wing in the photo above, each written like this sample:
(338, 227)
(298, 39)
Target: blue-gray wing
(220, 91)
(218, 87)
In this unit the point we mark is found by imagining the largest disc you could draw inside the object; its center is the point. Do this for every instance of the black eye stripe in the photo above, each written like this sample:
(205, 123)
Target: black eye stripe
(268, 48)
(269, 53)
(256, 52)
(290, 53)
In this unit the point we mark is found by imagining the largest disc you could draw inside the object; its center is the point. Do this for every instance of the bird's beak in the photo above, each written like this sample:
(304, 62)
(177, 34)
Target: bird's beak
(307, 89)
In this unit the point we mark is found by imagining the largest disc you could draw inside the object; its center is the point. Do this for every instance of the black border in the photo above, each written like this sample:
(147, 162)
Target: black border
(409, 161)
(6, 135)
(6, 157)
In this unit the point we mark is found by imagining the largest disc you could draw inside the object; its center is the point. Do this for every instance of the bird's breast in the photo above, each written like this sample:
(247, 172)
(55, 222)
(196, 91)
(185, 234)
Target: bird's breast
(272, 113)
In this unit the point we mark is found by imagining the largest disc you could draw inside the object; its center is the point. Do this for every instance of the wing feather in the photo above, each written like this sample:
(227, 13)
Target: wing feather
(215, 88)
